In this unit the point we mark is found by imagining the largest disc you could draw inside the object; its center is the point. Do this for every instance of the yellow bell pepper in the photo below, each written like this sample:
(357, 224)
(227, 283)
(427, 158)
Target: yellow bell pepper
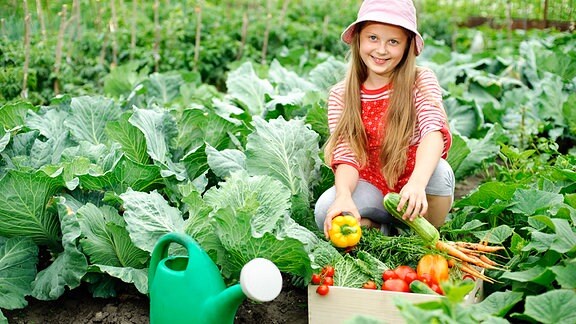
(345, 231)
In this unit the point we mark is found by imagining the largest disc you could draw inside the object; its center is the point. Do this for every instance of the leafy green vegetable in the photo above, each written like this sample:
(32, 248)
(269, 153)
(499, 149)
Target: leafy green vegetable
(18, 259)
(348, 273)
(23, 203)
(149, 216)
(404, 249)
(70, 265)
(557, 306)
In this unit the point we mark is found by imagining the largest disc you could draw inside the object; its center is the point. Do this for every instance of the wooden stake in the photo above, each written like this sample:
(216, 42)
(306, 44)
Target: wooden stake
(266, 32)
(324, 30)
(76, 31)
(133, 28)
(59, 44)
(283, 12)
(509, 18)
(3, 26)
(26, 50)
(41, 20)
(156, 35)
(545, 13)
(77, 18)
(113, 25)
(244, 35)
(98, 20)
(198, 34)
(100, 28)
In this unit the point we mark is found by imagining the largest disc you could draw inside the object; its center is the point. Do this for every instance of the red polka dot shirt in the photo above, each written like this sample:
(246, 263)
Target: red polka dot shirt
(430, 118)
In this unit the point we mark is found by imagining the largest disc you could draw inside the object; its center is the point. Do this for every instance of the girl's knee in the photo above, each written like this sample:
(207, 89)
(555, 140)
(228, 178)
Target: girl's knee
(322, 205)
(438, 209)
(442, 182)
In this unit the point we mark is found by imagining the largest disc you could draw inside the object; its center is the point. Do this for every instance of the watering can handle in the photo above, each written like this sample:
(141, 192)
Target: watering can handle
(161, 250)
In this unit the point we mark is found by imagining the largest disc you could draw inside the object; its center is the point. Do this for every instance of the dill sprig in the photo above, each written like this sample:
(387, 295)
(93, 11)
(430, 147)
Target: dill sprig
(403, 249)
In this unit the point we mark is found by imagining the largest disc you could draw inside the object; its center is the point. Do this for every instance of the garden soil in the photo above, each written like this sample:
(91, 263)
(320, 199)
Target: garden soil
(129, 306)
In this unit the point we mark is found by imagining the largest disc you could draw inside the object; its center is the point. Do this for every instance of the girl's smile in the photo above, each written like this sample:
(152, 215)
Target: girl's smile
(382, 47)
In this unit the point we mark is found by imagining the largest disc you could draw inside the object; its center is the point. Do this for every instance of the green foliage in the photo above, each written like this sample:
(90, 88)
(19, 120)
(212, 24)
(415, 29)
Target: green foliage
(96, 182)
(18, 259)
(527, 211)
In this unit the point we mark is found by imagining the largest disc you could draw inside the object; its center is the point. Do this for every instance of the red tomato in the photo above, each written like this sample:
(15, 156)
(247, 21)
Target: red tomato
(369, 285)
(437, 288)
(427, 279)
(396, 285)
(328, 271)
(322, 290)
(389, 274)
(468, 277)
(329, 281)
(402, 270)
(410, 276)
(316, 279)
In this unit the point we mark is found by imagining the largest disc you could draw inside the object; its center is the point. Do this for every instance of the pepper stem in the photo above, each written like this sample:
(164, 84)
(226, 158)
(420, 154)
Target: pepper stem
(346, 229)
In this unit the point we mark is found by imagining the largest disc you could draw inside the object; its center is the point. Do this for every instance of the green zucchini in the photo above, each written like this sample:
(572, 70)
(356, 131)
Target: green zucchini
(418, 287)
(420, 225)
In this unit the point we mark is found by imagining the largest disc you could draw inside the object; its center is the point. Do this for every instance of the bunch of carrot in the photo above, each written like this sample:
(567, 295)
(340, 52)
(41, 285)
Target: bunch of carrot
(466, 256)
(471, 256)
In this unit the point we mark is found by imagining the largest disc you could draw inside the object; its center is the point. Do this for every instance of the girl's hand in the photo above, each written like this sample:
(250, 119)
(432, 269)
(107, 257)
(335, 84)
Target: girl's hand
(341, 205)
(415, 197)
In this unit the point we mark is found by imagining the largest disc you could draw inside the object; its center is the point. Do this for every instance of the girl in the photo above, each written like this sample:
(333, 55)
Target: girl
(388, 127)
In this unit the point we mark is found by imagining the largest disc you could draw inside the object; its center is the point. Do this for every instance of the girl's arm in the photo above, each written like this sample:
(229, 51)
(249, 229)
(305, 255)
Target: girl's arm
(414, 192)
(345, 180)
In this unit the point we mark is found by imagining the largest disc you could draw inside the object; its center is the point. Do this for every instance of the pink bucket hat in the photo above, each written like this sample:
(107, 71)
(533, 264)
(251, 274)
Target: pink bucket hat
(394, 12)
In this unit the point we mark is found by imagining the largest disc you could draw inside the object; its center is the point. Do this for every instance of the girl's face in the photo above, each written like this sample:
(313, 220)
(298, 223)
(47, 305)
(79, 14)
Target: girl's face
(382, 47)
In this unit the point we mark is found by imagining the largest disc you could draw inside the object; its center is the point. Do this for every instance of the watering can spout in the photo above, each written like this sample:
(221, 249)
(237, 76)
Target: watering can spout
(260, 280)
(222, 307)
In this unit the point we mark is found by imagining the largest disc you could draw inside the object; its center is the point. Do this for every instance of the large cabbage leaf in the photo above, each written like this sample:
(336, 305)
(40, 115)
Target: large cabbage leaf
(12, 115)
(23, 207)
(244, 85)
(162, 88)
(480, 151)
(124, 174)
(288, 81)
(159, 130)
(287, 151)
(18, 258)
(233, 227)
(138, 277)
(129, 137)
(148, 216)
(225, 162)
(272, 196)
(88, 118)
(105, 239)
(327, 73)
(70, 264)
(197, 126)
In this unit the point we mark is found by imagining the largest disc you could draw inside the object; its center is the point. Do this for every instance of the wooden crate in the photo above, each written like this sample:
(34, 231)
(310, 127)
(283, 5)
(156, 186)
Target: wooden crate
(342, 304)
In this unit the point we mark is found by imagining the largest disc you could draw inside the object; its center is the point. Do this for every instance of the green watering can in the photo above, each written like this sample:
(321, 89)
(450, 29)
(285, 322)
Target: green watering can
(190, 289)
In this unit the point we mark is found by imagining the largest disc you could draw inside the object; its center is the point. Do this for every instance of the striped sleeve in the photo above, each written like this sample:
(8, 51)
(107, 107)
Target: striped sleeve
(430, 112)
(342, 153)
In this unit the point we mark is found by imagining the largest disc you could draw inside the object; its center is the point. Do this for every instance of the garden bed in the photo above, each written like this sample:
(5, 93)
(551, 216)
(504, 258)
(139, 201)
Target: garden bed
(79, 307)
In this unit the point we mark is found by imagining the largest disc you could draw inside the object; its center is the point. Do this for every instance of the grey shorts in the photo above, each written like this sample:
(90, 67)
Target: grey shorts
(368, 198)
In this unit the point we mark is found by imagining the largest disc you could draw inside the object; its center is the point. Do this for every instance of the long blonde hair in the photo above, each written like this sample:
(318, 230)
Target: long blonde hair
(399, 120)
